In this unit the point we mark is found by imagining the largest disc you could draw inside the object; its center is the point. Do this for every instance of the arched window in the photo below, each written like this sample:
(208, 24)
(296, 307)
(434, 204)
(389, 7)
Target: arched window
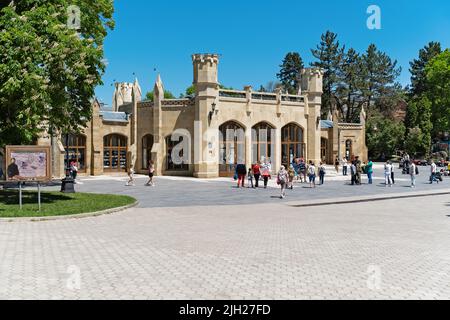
(232, 147)
(77, 151)
(175, 155)
(292, 143)
(147, 145)
(262, 142)
(115, 150)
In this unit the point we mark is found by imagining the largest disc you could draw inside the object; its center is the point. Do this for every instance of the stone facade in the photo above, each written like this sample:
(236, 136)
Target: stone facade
(216, 129)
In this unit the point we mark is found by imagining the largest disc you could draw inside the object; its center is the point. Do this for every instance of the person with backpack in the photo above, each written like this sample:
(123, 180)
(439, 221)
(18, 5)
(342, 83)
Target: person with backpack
(312, 175)
(302, 170)
(291, 175)
(413, 171)
(266, 170)
(322, 172)
(257, 173)
(241, 171)
(282, 179)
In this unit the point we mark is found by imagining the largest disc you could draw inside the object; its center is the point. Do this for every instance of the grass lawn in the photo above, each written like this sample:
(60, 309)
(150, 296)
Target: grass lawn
(57, 203)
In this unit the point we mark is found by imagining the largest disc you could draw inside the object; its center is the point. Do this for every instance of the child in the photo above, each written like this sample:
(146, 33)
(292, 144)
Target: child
(130, 177)
(250, 178)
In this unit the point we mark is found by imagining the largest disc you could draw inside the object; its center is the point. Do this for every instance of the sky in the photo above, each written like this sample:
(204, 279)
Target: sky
(252, 37)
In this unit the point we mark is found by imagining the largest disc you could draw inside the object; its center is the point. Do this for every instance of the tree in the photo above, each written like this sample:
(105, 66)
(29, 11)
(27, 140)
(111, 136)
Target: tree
(49, 71)
(380, 73)
(413, 142)
(348, 94)
(417, 68)
(438, 91)
(329, 55)
(167, 95)
(290, 72)
(384, 136)
(418, 120)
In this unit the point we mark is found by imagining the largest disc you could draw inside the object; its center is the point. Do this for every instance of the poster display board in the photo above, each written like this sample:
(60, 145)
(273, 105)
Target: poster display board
(28, 163)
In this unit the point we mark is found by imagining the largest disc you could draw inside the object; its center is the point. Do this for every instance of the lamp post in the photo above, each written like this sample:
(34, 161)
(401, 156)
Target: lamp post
(67, 185)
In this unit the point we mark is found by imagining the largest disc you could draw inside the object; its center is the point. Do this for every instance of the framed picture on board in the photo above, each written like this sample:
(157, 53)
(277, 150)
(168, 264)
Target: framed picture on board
(28, 163)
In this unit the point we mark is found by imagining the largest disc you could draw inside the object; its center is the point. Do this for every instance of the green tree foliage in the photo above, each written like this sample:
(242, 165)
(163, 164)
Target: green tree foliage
(438, 84)
(290, 72)
(48, 71)
(419, 124)
(329, 55)
(417, 68)
(353, 80)
(384, 136)
(167, 95)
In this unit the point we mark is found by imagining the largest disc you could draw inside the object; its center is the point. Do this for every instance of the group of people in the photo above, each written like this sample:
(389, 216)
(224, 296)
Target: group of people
(285, 177)
(150, 173)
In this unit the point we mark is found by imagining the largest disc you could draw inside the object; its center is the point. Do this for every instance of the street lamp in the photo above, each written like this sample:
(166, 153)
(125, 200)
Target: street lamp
(67, 185)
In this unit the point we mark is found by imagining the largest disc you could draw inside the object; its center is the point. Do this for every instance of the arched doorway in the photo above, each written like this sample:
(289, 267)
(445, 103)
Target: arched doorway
(232, 147)
(349, 150)
(292, 143)
(262, 142)
(115, 150)
(147, 145)
(77, 151)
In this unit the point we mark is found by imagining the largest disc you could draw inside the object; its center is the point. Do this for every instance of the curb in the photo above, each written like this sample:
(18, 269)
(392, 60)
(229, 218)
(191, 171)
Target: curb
(326, 202)
(69, 217)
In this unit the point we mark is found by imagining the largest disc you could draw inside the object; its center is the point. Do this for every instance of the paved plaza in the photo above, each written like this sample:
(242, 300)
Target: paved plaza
(198, 239)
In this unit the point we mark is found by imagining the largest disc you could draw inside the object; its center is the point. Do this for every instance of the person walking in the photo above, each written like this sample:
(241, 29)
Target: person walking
(151, 172)
(291, 175)
(344, 166)
(74, 171)
(353, 173)
(266, 170)
(322, 172)
(392, 173)
(433, 173)
(241, 171)
(302, 170)
(336, 165)
(250, 179)
(388, 174)
(130, 181)
(257, 173)
(312, 175)
(282, 180)
(369, 170)
(413, 173)
(358, 165)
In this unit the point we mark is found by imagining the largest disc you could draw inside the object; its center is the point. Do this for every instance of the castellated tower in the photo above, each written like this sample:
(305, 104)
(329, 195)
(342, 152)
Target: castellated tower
(122, 94)
(312, 88)
(207, 91)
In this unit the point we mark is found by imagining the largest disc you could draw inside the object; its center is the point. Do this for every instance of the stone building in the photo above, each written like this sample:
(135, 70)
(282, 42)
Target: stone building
(207, 134)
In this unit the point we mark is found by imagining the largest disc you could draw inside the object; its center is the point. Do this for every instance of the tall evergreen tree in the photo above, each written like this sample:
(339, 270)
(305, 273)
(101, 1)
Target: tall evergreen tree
(290, 72)
(417, 68)
(329, 55)
(381, 73)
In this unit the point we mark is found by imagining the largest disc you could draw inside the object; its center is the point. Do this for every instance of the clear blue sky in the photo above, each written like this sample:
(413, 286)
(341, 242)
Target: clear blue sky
(253, 36)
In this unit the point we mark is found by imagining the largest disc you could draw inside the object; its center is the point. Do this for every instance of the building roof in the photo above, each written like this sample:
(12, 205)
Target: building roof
(114, 116)
(326, 124)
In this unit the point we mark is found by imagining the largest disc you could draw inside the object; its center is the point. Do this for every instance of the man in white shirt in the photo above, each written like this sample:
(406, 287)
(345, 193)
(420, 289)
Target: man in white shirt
(412, 173)
(433, 173)
(388, 174)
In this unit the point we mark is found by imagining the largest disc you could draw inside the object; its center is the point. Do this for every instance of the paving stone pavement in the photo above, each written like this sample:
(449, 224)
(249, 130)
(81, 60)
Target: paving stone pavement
(395, 249)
